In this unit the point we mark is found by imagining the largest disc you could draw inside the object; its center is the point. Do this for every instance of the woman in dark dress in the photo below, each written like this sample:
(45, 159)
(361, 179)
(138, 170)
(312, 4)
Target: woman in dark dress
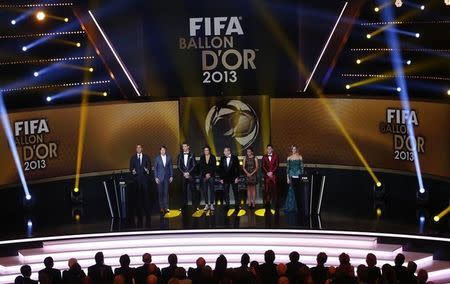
(250, 167)
(207, 168)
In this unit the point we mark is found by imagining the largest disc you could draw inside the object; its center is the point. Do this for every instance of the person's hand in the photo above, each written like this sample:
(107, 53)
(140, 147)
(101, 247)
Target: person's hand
(208, 175)
(288, 180)
(236, 180)
(146, 170)
(186, 175)
(270, 174)
(249, 175)
(170, 179)
(157, 180)
(221, 181)
(133, 171)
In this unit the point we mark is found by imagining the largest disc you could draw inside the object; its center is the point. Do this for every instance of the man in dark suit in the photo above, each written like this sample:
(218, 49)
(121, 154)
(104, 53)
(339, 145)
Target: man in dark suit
(293, 267)
(319, 272)
(195, 274)
(49, 274)
(163, 176)
(169, 272)
(99, 272)
(140, 167)
(186, 165)
(25, 270)
(142, 272)
(270, 162)
(229, 176)
(400, 271)
(268, 270)
(242, 274)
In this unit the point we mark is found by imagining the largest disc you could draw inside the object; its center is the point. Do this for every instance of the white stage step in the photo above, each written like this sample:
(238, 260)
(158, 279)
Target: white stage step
(189, 246)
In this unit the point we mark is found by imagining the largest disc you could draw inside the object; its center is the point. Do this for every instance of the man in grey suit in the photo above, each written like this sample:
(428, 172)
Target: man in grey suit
(163, 176)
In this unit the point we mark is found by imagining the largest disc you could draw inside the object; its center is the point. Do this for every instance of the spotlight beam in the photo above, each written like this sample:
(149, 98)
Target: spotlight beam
(396, 58)
(325, 47)
(442, 214)
(125, 70)
(12, 145)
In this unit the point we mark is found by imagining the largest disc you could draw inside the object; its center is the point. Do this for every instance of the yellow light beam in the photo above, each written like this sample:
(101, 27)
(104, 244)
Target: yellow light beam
(81, 135)
(276, 30)
(442, 214)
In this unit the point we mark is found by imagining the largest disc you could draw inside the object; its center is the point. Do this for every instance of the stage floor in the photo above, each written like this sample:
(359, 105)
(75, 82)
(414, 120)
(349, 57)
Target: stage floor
(348, 205)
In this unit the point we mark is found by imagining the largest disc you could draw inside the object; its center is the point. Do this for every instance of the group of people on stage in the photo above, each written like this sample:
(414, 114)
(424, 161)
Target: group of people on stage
(226, 169)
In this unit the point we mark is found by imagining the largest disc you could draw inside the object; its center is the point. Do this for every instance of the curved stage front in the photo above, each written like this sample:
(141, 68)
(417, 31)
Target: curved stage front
(190, 244)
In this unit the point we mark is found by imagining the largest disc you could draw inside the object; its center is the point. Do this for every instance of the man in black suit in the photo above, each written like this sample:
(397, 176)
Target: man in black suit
(99, 272)
(242, 274)
(25, 270)
(229, 176)
(186, 165)
(140, 167)
(49, 274)
(142, 272)
(293, 266)
(268, 270)
(195, 274)
(319, 272)
(169, 272)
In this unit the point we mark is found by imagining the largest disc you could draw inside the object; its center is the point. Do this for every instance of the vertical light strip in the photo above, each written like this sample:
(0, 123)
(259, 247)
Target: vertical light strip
(12, 146)
(325, 47)
(115, 54)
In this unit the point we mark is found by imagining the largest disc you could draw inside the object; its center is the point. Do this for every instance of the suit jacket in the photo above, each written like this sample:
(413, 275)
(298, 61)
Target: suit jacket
(22, 280)
(167, 273)
(230, 173)
(73, 276)
(126, 272)
(268, 272)
(142, 272)
(190, 167)
(163, 172)
(270, 166)
(141, 175)
(319, 274)
(207, 168)
(50, 274)
(100, 274)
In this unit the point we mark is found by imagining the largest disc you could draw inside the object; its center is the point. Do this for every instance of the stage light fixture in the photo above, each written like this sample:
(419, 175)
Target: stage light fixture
(48, 99)
(13, 22)
(448, 92)
(422, 7)
(399, 89)
(91, 69)
(417, 35)
(379, 212)
(66, 20)
(378, 184)
(40, 16)
(347, 87)
(368, 36)
(447, 2)
(29, 223)
(76, 190)
(105, 94)
(408, 62)
(24, 48)
(398, 3)
(78, 44)
(358, 61)
(35, 74)
(28, 197)
(422, 219)
(376, 9)
(422, 190)
(436, 218)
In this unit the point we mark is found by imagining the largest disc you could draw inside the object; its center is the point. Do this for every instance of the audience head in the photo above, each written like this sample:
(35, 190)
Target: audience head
(25, 270)
(152, 279)
(344, 259)
(412, 267)
(146, 258)
(281, 269)
(245, 259)
(221, 263)
(180, 273)
(99, 258)
(254, 265)
(388, 273)
(283, 280)
(294, 256)
(172, 259)
(304, 274)
(207, 271)
(124, 260)
(119, 279)
(362, 273)
(371, 260)
(422, 276)
(269, 256)
(72, 262)
(48, 262)
(399, 259)
(201, 262)
(331, 270)
(322, 258)
(152, 268)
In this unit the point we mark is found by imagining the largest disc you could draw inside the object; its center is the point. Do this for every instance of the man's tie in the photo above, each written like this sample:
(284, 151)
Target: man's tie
(140, 159)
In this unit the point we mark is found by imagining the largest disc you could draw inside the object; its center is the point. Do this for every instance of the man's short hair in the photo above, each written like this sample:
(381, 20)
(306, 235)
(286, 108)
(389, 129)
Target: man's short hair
(399, 259)
(172, 258)
(322, 258)
(146, 258)
(294, 256)
(48, 262)
(269, 256)
(163, 147)
(269, 145)
(25, 270)
(99, 258)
